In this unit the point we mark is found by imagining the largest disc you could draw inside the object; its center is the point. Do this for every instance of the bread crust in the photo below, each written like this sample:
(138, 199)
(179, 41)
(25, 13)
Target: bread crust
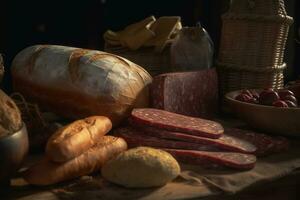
(141, 167)
(46, 172)
(76, 138)
(77, 83)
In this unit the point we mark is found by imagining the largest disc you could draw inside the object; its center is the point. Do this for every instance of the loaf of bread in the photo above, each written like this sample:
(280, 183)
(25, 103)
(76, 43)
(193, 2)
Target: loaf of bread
(10, 116)
(76, 138)
(46, 172)
(78, 83)
(141, 167)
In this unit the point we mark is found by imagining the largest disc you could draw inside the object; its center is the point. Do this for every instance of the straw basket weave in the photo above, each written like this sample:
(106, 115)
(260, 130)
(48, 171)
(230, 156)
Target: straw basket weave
(154, 63)
(254, 34)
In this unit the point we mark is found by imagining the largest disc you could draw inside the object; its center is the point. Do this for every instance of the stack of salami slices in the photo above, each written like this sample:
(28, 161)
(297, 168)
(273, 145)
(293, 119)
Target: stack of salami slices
(198, 141)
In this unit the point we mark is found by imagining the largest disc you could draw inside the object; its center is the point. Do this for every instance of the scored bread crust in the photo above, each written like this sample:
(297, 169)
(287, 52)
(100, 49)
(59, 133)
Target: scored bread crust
(77, 83)
(74, 139)
(46, 172)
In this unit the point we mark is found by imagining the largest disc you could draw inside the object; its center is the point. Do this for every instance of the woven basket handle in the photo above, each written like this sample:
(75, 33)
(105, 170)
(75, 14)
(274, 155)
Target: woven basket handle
(282, 7)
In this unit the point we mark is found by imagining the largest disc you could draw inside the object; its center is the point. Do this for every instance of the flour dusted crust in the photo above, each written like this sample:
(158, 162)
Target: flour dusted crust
(77, 83)
(141, 167)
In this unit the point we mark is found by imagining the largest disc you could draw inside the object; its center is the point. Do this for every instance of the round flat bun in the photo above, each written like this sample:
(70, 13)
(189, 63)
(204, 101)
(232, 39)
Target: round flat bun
(141, 167)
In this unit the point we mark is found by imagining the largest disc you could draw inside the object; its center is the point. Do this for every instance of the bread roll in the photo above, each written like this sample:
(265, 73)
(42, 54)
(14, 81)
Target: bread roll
(141, 167)
(76, 138)
(77, 83)
(46, 172)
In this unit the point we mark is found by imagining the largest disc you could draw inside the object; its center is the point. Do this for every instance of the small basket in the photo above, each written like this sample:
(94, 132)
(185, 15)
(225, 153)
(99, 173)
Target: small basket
(154, 63)
(254, 35)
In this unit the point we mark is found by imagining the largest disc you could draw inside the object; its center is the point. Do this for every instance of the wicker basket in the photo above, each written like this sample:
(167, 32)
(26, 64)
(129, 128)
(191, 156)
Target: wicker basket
(154, 63)
(254, 34)
(233, 78)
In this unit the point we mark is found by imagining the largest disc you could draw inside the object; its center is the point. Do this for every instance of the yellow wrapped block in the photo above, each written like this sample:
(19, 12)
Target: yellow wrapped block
(140, 37)
(148, 32)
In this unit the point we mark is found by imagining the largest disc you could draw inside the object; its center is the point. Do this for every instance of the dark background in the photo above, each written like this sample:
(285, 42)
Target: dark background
(82, 23)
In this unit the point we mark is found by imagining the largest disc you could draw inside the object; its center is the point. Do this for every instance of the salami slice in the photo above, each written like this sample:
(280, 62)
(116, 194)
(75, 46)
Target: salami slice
(135, 138)
(227, 159)
(176, 122)
(265, 144)
(188, 93)
(225, 142)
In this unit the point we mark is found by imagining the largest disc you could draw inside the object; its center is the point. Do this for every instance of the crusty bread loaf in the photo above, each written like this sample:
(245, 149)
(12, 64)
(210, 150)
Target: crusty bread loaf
(46, 172)
(76, 138)
(10, 116)
(141, 167)
(78, 83)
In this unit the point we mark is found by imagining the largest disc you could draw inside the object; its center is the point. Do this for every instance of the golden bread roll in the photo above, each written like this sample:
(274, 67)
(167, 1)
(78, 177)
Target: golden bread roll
(76, 138)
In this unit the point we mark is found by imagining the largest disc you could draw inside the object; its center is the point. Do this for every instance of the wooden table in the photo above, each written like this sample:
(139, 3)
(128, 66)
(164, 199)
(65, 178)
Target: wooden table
(287, 187)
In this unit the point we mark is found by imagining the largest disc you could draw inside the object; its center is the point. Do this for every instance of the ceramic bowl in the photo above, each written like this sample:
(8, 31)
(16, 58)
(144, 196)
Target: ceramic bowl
(269, 119)
(13, 149)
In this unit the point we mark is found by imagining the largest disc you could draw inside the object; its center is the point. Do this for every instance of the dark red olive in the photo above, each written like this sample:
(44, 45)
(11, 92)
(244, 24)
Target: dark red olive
(253, 100)
(264, 91)
(280, 103)
(284, 92)
(254, 94)
(290, 98)
(267, 97)
(247, 92)
(295, 88)
(243, 97)
(290, 104)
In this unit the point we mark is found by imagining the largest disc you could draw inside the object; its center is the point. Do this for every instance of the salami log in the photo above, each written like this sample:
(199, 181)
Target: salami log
(135, 138)
(265, 144)
(225, 142)
(188, 93)
(227, 159)
(176, 122)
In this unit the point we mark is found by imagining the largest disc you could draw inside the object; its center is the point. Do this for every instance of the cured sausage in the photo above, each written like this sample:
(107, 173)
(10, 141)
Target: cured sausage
(265, 144)
(192, 153)
(176, 122)
(225, 142)
(135, 138)
(227, 159)
(188, 93)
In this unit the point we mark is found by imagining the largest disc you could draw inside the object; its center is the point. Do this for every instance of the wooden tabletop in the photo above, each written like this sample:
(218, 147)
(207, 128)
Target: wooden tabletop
(287, 187)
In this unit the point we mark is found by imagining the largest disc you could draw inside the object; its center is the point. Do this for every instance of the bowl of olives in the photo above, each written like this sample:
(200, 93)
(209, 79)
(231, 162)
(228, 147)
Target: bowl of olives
(268, 110)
